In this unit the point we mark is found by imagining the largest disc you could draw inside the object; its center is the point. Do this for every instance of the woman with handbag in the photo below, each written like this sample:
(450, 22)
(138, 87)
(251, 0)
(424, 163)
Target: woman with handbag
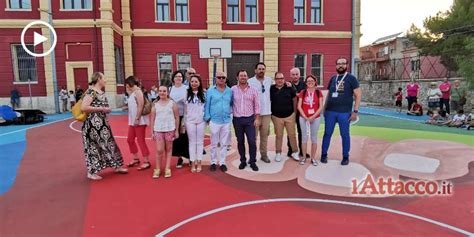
(458, 96)
(100, 149)
(434, 94)
(138, 120)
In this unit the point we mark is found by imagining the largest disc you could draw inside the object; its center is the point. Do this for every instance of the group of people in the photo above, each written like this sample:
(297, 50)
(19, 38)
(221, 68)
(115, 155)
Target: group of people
(180, 114)
(458, 120)
(72, 97)
(445, 97)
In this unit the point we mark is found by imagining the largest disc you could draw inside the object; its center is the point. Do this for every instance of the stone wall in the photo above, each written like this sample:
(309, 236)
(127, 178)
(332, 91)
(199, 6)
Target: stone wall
(381, 92)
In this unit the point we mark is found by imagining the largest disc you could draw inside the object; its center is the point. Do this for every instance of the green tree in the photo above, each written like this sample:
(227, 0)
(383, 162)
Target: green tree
(449, 35)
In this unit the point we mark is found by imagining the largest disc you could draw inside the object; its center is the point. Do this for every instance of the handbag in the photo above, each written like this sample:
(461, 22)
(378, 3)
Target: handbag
(146, 106)
(77, 112)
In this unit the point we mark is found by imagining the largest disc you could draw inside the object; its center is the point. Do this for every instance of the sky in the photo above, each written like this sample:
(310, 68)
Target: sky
(380, 18)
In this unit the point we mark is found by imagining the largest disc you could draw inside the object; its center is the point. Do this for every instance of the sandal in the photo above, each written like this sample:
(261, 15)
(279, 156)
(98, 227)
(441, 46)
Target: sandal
(135, 162)
(144, 166)
(167, 173)
(199, 166)
(93, 177)
(302, 161)
(121, 170)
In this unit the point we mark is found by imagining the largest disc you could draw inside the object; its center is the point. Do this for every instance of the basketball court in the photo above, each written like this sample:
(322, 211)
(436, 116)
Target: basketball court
(44, 190)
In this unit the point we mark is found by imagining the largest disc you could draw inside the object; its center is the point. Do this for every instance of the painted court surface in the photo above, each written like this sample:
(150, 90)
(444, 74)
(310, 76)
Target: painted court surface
(44, 191)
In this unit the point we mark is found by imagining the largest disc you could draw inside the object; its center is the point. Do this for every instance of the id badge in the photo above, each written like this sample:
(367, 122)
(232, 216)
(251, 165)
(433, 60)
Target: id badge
(335, 94)
(310, 111)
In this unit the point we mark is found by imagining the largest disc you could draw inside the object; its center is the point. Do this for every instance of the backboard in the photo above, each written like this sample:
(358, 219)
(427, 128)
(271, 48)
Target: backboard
(208, 48)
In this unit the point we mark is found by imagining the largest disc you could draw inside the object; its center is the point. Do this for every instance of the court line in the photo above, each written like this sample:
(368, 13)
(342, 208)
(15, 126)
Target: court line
(40, 125)
(79, 131)
(208, 213)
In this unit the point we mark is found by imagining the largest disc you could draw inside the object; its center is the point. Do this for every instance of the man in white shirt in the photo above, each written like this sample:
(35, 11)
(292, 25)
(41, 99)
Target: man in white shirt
(263, 83)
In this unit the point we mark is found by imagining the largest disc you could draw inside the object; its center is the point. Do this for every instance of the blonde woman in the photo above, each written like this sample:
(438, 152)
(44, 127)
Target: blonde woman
(100, 149)
(164, 119)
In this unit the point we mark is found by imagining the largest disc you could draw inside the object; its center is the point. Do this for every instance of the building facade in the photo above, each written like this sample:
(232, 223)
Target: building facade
(153, 38)
(395, 57)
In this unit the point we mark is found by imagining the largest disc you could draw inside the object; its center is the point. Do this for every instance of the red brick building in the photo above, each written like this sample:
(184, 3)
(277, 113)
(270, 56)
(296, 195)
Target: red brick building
(152, 38)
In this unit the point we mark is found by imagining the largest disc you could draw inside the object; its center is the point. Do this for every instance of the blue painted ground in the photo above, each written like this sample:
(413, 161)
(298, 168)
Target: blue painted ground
(13, 145)
(391, 113)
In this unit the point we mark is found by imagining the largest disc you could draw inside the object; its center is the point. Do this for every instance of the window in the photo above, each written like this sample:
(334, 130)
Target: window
(300, 62)
(24, 65)
(315, 11)
(165, 69)
(250, 10)
(316, 67)
(181, 10)
(77, 4)
(299, 11)
(184, 61)
(119, 74)
(162, 10)
(415, 65)
(19, 4)
(233, 11)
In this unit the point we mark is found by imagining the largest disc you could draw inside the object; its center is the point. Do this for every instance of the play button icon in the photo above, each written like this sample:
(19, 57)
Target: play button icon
(39, 39)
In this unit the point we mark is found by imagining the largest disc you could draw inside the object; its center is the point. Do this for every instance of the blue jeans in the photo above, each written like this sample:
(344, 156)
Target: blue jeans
(330, 120)
(245, 126)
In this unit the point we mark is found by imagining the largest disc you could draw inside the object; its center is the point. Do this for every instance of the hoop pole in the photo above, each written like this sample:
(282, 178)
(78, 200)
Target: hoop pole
(214, 72)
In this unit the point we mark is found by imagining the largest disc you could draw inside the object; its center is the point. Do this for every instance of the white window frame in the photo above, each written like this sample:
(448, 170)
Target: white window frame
(16, 69)
(304, 62)
(176, 12)
(238, 13)
(321, 65)
(76, 9)
(9, 9)
(177, 60)
(158, 65)
(156, 12)
(256, 12)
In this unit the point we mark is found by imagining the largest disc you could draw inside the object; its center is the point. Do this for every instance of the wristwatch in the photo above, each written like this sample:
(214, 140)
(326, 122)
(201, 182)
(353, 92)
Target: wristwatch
(356, 111)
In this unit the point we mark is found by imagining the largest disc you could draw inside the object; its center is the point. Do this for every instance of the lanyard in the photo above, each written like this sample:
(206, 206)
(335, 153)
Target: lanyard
(311, 99)
(340, 83)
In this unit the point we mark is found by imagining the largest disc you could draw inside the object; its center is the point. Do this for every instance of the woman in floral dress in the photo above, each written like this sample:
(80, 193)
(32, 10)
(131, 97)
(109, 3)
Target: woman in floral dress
(100, 149)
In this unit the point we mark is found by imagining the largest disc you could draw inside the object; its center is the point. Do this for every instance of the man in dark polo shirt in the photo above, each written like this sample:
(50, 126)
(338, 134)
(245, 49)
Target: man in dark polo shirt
(299, 85)
(343, 90)
(283, 106)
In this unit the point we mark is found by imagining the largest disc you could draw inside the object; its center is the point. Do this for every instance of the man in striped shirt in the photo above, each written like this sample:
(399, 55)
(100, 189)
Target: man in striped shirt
(246, 110)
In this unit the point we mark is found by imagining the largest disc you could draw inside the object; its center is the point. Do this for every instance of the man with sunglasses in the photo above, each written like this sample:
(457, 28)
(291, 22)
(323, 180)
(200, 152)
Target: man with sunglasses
(262, 84)
(189, 72)
(343, 89)
(217, 112)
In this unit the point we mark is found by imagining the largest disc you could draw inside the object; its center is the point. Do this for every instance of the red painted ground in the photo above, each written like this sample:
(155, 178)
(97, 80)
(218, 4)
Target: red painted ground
(52, 197)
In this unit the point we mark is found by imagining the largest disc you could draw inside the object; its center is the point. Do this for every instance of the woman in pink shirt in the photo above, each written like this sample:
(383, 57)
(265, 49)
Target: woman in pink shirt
(445, 88)
(412, 93)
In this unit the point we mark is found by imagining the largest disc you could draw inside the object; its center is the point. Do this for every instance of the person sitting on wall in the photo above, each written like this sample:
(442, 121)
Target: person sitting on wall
(416, 109)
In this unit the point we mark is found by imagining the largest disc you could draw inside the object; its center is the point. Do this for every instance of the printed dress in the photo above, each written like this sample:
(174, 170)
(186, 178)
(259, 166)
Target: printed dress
(100, 149)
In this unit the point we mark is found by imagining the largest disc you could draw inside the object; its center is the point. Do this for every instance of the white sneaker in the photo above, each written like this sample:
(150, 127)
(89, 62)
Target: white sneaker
(278, 157)
(295, 156)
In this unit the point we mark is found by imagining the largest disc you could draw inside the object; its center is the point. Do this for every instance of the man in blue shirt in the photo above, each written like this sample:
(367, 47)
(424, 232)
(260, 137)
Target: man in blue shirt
(343, 88)
(217, 112)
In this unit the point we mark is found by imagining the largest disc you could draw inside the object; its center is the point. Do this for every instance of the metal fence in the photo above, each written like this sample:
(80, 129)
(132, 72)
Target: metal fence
(408, 68)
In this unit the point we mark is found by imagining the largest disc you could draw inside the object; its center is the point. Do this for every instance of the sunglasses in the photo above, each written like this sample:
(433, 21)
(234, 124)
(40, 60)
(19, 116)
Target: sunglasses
(263, 89)
(223, 78)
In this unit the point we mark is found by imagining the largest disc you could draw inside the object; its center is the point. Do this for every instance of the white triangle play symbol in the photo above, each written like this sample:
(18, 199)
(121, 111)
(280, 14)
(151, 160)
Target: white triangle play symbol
(38, 39)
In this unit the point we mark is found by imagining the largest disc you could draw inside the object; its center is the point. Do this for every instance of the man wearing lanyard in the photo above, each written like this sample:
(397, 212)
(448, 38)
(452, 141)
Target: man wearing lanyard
(343, 89)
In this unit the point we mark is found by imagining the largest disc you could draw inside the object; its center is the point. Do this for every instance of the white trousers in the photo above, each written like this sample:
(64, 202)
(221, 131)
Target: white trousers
(196, 140)
(220, 133)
